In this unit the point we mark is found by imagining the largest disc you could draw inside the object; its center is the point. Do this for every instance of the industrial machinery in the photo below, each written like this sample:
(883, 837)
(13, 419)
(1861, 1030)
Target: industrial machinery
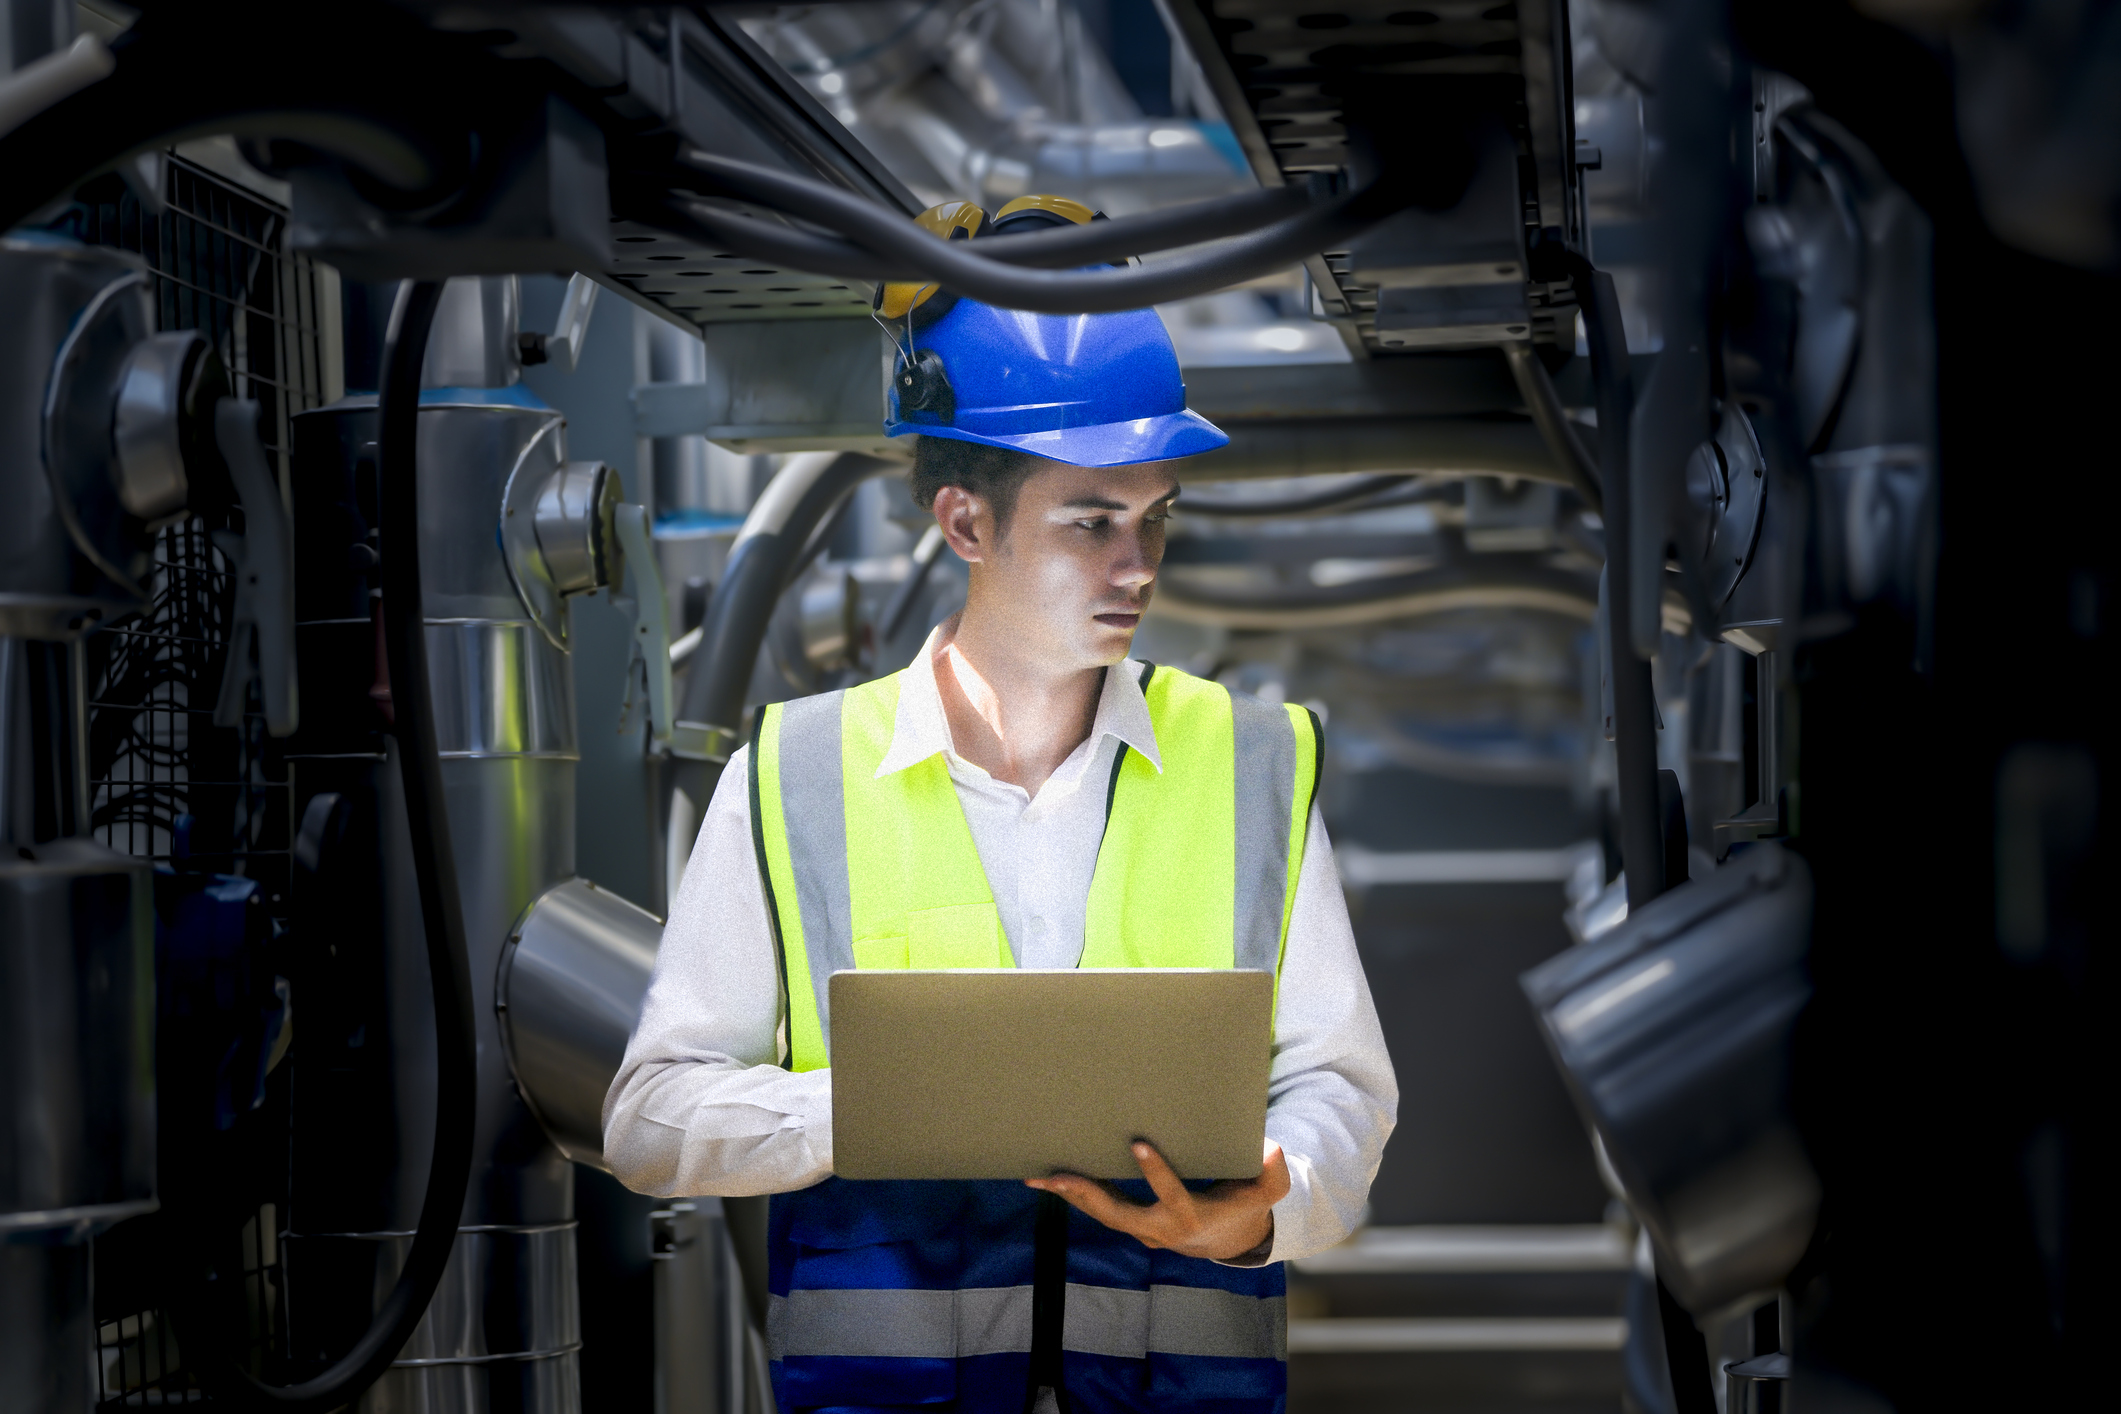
(1660, 445)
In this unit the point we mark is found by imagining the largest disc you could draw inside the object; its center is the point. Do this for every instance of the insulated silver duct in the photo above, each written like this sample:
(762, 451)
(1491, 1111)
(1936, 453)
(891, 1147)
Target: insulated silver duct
(570, 988)
(509, 529)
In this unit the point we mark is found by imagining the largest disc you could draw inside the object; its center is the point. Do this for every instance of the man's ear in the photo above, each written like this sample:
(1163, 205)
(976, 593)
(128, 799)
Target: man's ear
(967, 522)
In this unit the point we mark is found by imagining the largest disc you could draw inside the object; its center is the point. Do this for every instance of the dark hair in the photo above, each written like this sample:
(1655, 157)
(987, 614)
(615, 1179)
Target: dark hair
(994, 474)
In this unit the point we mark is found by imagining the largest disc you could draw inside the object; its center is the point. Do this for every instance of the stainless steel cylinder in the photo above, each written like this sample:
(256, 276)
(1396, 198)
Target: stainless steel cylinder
(570, 989)
(502, 1331)
(73, 314)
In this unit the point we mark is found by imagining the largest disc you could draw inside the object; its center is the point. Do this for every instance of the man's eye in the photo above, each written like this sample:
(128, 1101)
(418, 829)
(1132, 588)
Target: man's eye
(1095, 523)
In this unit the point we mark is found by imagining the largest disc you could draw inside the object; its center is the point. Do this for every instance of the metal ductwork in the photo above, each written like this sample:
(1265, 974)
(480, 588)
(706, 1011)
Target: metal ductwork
(1674, 1033)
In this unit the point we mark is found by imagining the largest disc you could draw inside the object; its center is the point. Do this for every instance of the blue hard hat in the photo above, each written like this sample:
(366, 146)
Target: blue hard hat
(1087, 389)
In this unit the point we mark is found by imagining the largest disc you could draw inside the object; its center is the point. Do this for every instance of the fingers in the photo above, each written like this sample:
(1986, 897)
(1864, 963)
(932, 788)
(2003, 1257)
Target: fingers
(1162, 1180)
(1096, 1201)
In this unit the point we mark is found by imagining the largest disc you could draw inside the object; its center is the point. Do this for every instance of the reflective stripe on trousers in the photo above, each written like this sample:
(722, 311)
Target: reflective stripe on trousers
(1100, 1320)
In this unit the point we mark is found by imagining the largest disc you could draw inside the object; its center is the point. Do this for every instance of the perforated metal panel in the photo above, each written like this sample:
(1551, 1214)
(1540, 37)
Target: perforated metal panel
(709, 286)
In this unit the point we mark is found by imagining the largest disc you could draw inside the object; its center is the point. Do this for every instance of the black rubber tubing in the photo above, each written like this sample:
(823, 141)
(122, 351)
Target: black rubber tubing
(1634, 693)
(885, 245)
(441, 910)
(1057, 248)
(760, 567)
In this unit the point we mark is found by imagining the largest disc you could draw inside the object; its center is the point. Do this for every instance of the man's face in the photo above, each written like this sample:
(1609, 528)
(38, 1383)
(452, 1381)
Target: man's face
(1073, 571)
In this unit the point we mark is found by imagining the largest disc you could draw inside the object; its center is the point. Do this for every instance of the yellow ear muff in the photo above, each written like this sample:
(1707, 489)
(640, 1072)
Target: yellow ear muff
(1065, 208)
(951, 221)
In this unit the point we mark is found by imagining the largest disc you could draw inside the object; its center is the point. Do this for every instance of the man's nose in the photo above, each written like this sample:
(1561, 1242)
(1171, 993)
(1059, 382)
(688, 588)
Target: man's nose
(1135, 566)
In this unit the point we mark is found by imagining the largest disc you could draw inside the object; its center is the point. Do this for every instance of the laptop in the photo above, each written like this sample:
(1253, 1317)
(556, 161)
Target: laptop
(1020, 1073)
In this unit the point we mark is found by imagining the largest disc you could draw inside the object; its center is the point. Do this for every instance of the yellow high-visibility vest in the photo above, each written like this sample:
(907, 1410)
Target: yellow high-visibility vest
(1198, 866)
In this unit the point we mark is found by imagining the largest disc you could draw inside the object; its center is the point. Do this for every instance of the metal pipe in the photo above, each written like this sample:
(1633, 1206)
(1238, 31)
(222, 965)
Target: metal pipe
(1552, 421)
(767, 548)
(1401, 596)
(1338, 496)
(1431, 446)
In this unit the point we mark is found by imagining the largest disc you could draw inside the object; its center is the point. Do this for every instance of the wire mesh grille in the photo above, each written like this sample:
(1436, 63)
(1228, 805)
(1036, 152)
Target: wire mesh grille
(165, 781)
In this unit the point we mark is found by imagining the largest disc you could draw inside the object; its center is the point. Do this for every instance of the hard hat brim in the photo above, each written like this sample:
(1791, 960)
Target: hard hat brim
(1143, 439)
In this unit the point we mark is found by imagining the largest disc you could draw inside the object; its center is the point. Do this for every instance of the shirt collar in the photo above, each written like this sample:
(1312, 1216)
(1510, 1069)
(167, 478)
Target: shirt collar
(921, 729)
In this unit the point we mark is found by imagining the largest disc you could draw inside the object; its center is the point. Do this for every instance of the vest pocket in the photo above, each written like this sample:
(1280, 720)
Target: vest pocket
(961, 935)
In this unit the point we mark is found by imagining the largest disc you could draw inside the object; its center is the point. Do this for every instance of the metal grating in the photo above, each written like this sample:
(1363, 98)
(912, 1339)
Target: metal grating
(165, 782)
(1287, 71)
(708, 286)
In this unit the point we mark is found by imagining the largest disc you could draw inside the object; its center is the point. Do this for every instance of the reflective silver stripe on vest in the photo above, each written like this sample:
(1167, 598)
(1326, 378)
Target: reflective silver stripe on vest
(814, 803)
(908, 1325)
(1266, 774)
(1174, 1320)
(1099, 1320)
(1199, 1320)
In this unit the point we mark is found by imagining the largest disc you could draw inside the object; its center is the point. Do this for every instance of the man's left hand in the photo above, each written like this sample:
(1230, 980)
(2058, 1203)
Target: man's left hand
(1223, 1223)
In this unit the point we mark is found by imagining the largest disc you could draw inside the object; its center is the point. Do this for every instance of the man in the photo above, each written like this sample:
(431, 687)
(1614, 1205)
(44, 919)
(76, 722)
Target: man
(1022, 795)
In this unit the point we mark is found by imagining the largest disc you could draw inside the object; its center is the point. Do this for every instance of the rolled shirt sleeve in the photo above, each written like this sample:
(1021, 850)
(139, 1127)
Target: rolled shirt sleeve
(701, 1105)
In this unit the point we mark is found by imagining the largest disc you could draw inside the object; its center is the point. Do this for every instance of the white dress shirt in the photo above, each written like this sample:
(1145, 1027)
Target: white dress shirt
(701, 1105)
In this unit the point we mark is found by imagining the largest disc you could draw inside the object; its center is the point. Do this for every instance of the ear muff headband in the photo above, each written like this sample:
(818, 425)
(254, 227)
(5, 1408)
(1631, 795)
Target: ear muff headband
(951, 221)
(923, 385)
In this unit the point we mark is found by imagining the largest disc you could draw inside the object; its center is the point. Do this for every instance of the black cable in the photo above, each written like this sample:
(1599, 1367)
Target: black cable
(759, 569)
(925, 554)
(239, 75)
(1056, 248)
(1361, 490)
(441, 911)
(884, 244)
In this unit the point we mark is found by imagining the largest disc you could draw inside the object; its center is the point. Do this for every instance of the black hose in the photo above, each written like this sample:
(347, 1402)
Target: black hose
(441, 912)
(760, 566)
(925, 554)
(1037, 291)
(300, 73)
(1056, 248)
(1634, 693)
(887, 245)
(1360, 490)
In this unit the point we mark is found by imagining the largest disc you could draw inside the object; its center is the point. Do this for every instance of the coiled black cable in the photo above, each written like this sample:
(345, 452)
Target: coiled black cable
(441, 910)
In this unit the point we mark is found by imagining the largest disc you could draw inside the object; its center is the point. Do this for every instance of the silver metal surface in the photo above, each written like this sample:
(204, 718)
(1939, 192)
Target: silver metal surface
(48, 589)
(77, 999)
(522, 557)
(47, 1329)
(570, 989)
(793, 385)
(500, 689)
(473, 344)
(700, 1321)
(147, 431)
(79, 404)
(487, 458)
(828, 614)
(1673, 1032)
(1726, 479)
(504, 1329)
(572, 517)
